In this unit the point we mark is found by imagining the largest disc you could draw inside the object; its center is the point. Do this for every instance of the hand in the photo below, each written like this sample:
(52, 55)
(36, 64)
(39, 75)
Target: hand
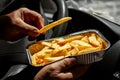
(65, 69)
(20, 23)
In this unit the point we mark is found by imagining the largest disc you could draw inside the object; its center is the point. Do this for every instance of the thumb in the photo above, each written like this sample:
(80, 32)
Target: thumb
(64, 64)
(55, 68)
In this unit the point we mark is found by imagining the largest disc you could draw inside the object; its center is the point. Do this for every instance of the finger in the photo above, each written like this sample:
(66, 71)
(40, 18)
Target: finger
(65, 76)
(64, 64)
(28, 29)
(30, 21)
(53, 69)
(36, 18)
(74, 73)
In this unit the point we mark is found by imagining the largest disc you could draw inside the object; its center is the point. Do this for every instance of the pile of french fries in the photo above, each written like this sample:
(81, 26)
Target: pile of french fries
(44, 52)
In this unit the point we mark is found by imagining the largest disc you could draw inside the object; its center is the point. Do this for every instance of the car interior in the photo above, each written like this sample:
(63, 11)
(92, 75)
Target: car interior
(106, 69)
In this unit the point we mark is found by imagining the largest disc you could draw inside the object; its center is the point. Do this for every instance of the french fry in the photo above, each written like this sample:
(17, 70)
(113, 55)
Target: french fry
(87, 50)
(51, 59)
(57, 53)
(93, 40)
(64, 47)
(81, 43)
(72, 52)
(102, 42)
(70, 39)
(34, 60)
(85, 39)
(35, 48)
(54, 24)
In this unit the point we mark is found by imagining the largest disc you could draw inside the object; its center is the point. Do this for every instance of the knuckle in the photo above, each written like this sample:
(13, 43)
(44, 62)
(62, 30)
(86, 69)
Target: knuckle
(68, 61)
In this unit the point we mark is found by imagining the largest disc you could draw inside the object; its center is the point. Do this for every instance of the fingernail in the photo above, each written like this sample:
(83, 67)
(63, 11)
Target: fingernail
(35, 30)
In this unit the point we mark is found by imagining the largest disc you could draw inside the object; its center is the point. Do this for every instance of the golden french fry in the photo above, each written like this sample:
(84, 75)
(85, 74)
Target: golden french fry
(35, 48)
(55, 46)
(81, 43)
(85, 39)
(70, 39)
(93, 40)
(87, 50)
(102, 42)
(72, 52)
(64, 47)
(51, 59)
(46, 43)
(54, 24)
(33, 60)
(57, 53)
